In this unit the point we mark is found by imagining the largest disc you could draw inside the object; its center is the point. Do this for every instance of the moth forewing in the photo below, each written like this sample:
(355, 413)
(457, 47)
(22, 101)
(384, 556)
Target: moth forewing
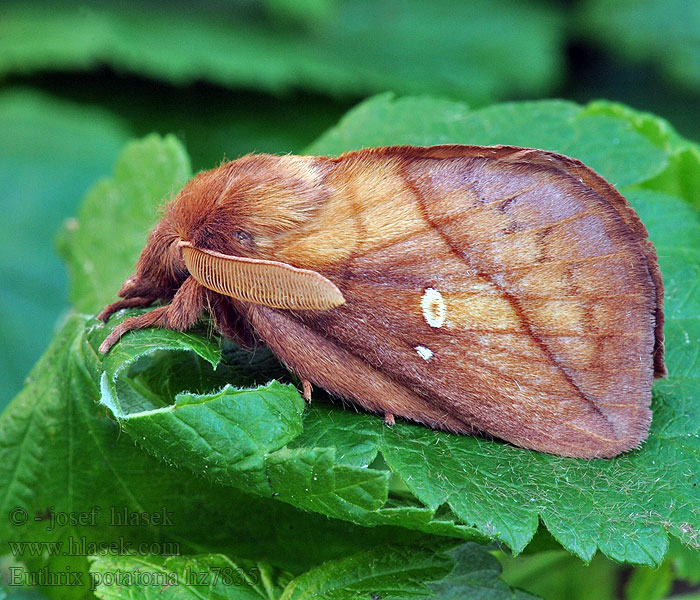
(525, 308)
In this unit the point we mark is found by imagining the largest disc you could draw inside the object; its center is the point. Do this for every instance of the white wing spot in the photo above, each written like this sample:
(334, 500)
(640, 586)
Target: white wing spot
(434, 309)
(425, 353)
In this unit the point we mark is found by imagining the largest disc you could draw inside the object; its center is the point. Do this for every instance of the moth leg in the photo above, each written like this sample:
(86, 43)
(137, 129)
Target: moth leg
(154, 318)
(133, 302)
(306, 389)
(181, 314)
(228, 320)
(389, 419)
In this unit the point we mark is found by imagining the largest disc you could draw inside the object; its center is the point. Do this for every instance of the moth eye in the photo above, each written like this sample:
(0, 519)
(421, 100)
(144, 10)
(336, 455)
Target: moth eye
(244, 237)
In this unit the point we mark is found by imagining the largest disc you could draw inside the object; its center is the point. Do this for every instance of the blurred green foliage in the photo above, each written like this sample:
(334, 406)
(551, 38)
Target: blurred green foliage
(663, 33)
(78, 79)
(359, 47)
(51, 152)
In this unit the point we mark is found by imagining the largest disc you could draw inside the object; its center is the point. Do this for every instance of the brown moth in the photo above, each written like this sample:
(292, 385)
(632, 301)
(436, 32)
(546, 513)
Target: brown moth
(501, 290)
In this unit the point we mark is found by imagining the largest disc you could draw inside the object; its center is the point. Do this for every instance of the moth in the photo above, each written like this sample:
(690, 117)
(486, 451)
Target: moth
(497, 290)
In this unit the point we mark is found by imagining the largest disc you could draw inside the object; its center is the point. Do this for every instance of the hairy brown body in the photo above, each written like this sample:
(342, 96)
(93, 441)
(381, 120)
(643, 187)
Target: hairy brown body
(499, 289)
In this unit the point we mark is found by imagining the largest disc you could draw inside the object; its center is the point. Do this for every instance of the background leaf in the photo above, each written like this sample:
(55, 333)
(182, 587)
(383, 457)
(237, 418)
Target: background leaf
(390, 572)
(217, 575)
(554, 573)
(358, 47)
(50, 153)
(665, 33)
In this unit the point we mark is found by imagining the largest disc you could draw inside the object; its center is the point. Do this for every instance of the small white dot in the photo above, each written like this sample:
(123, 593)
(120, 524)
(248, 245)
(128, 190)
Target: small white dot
(434, 309)
(425, 353)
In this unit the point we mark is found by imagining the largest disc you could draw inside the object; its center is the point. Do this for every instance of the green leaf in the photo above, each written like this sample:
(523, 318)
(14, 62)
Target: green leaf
(555, 574)
(214, 575)
(439, 469)
(686, 562)
(50, 153)
(346, 47)
(386, 572)
(390, 572)
(238, 436)
(624, 506)
(476, 574)
(646, 583)
(663, 32)
(81, 484)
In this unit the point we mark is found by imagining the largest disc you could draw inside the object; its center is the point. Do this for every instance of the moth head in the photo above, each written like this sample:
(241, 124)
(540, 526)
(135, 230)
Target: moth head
(232, 221)
(246, 207)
